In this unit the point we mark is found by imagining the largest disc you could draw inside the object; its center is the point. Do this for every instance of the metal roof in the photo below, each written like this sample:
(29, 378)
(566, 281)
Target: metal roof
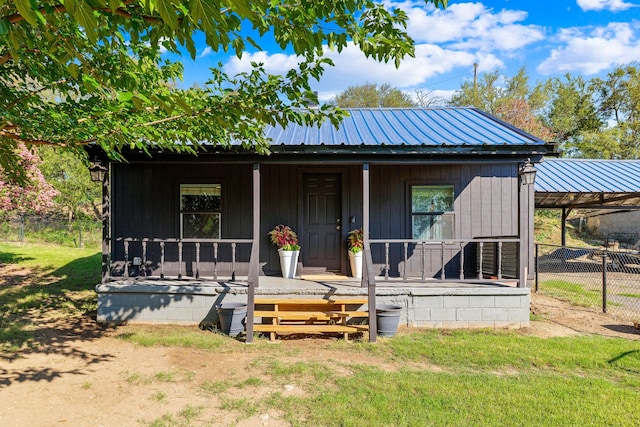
(587, 183)
(406, 127)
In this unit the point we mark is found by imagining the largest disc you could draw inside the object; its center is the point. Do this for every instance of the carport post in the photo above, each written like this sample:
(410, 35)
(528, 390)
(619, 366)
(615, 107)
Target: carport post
(563, 237)
(604, 283)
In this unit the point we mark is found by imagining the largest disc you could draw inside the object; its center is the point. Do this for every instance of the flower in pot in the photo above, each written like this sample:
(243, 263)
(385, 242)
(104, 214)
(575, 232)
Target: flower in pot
(287, 242)
(356, 246)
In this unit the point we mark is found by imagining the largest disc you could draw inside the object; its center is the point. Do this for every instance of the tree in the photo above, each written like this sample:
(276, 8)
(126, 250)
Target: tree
(426, 99)
(36, 196)
(103, 63)
(482, 95)
(518, 113)
(572, 115)
(370, 95)
(69, 175)
(508, 98)
(619, 102)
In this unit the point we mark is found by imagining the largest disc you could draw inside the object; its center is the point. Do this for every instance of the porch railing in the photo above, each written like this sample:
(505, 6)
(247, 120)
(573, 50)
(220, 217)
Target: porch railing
(200, 245)
(442, 246)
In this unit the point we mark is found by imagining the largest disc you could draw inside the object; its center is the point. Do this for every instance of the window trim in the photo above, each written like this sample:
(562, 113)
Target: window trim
(181, 213)
(411, 214)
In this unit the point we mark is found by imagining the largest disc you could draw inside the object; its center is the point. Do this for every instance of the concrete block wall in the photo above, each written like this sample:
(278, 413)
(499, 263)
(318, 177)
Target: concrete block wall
(193, 303)
(188, 304)
(488, 307)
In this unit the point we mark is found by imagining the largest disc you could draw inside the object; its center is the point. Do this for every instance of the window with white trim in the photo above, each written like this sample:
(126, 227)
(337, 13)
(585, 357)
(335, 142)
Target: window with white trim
(432, 215)
(200, 211)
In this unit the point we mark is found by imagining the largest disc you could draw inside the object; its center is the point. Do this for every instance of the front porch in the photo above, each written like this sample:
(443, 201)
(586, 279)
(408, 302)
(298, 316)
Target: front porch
(426, 303)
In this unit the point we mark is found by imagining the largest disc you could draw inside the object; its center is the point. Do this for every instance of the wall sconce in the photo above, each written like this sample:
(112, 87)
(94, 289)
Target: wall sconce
(527, 173)
(97, 171)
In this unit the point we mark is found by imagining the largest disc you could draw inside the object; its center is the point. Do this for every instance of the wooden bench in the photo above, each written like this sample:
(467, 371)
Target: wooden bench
(307, 315)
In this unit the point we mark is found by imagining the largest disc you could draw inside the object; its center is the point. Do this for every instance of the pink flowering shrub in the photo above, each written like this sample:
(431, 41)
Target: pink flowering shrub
(35, 196)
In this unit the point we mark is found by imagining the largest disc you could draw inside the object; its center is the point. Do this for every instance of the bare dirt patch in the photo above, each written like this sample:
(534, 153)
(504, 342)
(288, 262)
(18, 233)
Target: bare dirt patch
(563, 319)
(80, 374)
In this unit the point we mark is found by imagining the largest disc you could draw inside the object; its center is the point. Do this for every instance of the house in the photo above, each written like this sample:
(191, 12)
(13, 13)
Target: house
(443, 195)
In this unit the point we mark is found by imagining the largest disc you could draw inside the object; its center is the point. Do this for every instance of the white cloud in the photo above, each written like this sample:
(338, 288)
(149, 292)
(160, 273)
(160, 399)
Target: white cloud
(592, 50)
(205, 52)
(612, 5)
(278, 63)
(470, 26)
(353, 68)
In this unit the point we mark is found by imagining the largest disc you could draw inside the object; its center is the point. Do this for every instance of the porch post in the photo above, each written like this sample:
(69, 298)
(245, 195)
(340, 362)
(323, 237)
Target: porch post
(368, 278)
(106, 226)
(254, 263)
(526, 210)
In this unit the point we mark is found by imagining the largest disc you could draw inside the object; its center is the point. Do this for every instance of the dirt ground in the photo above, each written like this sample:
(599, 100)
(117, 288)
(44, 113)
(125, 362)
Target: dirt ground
(81, 375)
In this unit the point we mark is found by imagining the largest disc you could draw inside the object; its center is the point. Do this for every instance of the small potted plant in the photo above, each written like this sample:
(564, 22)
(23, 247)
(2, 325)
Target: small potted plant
(356, 246)
(287, 242)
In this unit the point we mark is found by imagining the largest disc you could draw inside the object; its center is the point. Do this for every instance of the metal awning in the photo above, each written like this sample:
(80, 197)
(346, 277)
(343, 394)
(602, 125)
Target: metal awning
(588, 184)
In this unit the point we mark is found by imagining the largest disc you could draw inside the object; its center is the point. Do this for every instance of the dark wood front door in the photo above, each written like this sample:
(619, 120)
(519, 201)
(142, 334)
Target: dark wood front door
(322, 217)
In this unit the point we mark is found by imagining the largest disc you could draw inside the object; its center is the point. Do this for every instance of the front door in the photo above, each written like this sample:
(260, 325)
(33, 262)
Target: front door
(322, 217)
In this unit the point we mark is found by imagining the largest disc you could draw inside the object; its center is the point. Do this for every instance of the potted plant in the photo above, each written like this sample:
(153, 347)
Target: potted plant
(288, 249)
(356, 246)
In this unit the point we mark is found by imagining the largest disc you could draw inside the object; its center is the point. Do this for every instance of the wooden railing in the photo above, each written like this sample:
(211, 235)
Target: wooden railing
(199, 245)
(443, 246)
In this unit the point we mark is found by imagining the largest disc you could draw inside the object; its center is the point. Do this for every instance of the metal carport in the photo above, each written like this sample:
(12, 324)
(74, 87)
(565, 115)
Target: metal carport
(569, 184)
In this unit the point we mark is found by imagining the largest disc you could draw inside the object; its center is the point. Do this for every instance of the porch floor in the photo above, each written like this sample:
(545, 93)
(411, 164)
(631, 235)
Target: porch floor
(313, 285)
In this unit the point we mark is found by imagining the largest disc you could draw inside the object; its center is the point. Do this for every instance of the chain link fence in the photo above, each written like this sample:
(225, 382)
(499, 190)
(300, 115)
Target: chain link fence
(81, 232)
(599, 279)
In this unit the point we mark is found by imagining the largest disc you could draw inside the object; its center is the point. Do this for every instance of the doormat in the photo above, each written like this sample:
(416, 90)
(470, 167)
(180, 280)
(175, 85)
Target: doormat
(325, 276)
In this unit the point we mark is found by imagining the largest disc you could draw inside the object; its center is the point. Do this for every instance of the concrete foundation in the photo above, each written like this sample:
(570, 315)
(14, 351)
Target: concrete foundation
(431, 304)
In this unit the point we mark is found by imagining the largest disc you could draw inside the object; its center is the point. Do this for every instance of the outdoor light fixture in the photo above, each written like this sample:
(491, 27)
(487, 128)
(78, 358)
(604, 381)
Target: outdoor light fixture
(97, 171)
(527, 173)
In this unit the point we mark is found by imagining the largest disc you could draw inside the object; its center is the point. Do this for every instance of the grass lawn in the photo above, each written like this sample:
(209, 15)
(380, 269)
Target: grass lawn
(431, 377)
(575, 293)
(422, 377)
(43, 282)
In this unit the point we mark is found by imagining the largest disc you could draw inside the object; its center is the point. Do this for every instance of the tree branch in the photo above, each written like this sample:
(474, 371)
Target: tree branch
(16, 17)
(15, 137)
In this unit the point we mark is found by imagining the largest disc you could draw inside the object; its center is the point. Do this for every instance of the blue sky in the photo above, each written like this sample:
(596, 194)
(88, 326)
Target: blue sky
(549, 37)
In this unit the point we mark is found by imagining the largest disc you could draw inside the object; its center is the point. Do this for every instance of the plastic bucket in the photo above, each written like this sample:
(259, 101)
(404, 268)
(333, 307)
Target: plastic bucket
(232, 317)
(388, 318)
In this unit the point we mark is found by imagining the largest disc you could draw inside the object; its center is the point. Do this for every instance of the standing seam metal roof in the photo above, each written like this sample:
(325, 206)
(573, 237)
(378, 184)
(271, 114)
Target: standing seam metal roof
(406, 126)
(588, 176)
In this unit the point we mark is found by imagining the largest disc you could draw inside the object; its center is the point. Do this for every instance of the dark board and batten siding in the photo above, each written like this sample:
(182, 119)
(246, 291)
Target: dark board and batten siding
(146, 204)
(485, 205)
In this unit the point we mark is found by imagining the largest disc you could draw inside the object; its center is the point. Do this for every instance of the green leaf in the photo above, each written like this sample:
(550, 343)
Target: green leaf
(70, 5)
(124, 96)
(114, 5)
(184, 105)
(74, 70)
(138, 103)
(168, 13)
(25, 10)
(4, 27)
(84, 14)
(205, 12)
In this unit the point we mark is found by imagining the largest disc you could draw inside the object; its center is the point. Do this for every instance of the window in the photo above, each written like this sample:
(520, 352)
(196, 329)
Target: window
(432, 212)
(200, 211)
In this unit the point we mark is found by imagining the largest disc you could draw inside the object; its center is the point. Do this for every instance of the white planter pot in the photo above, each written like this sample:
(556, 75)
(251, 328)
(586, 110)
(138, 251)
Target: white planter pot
(356, 264)
(288, 263)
